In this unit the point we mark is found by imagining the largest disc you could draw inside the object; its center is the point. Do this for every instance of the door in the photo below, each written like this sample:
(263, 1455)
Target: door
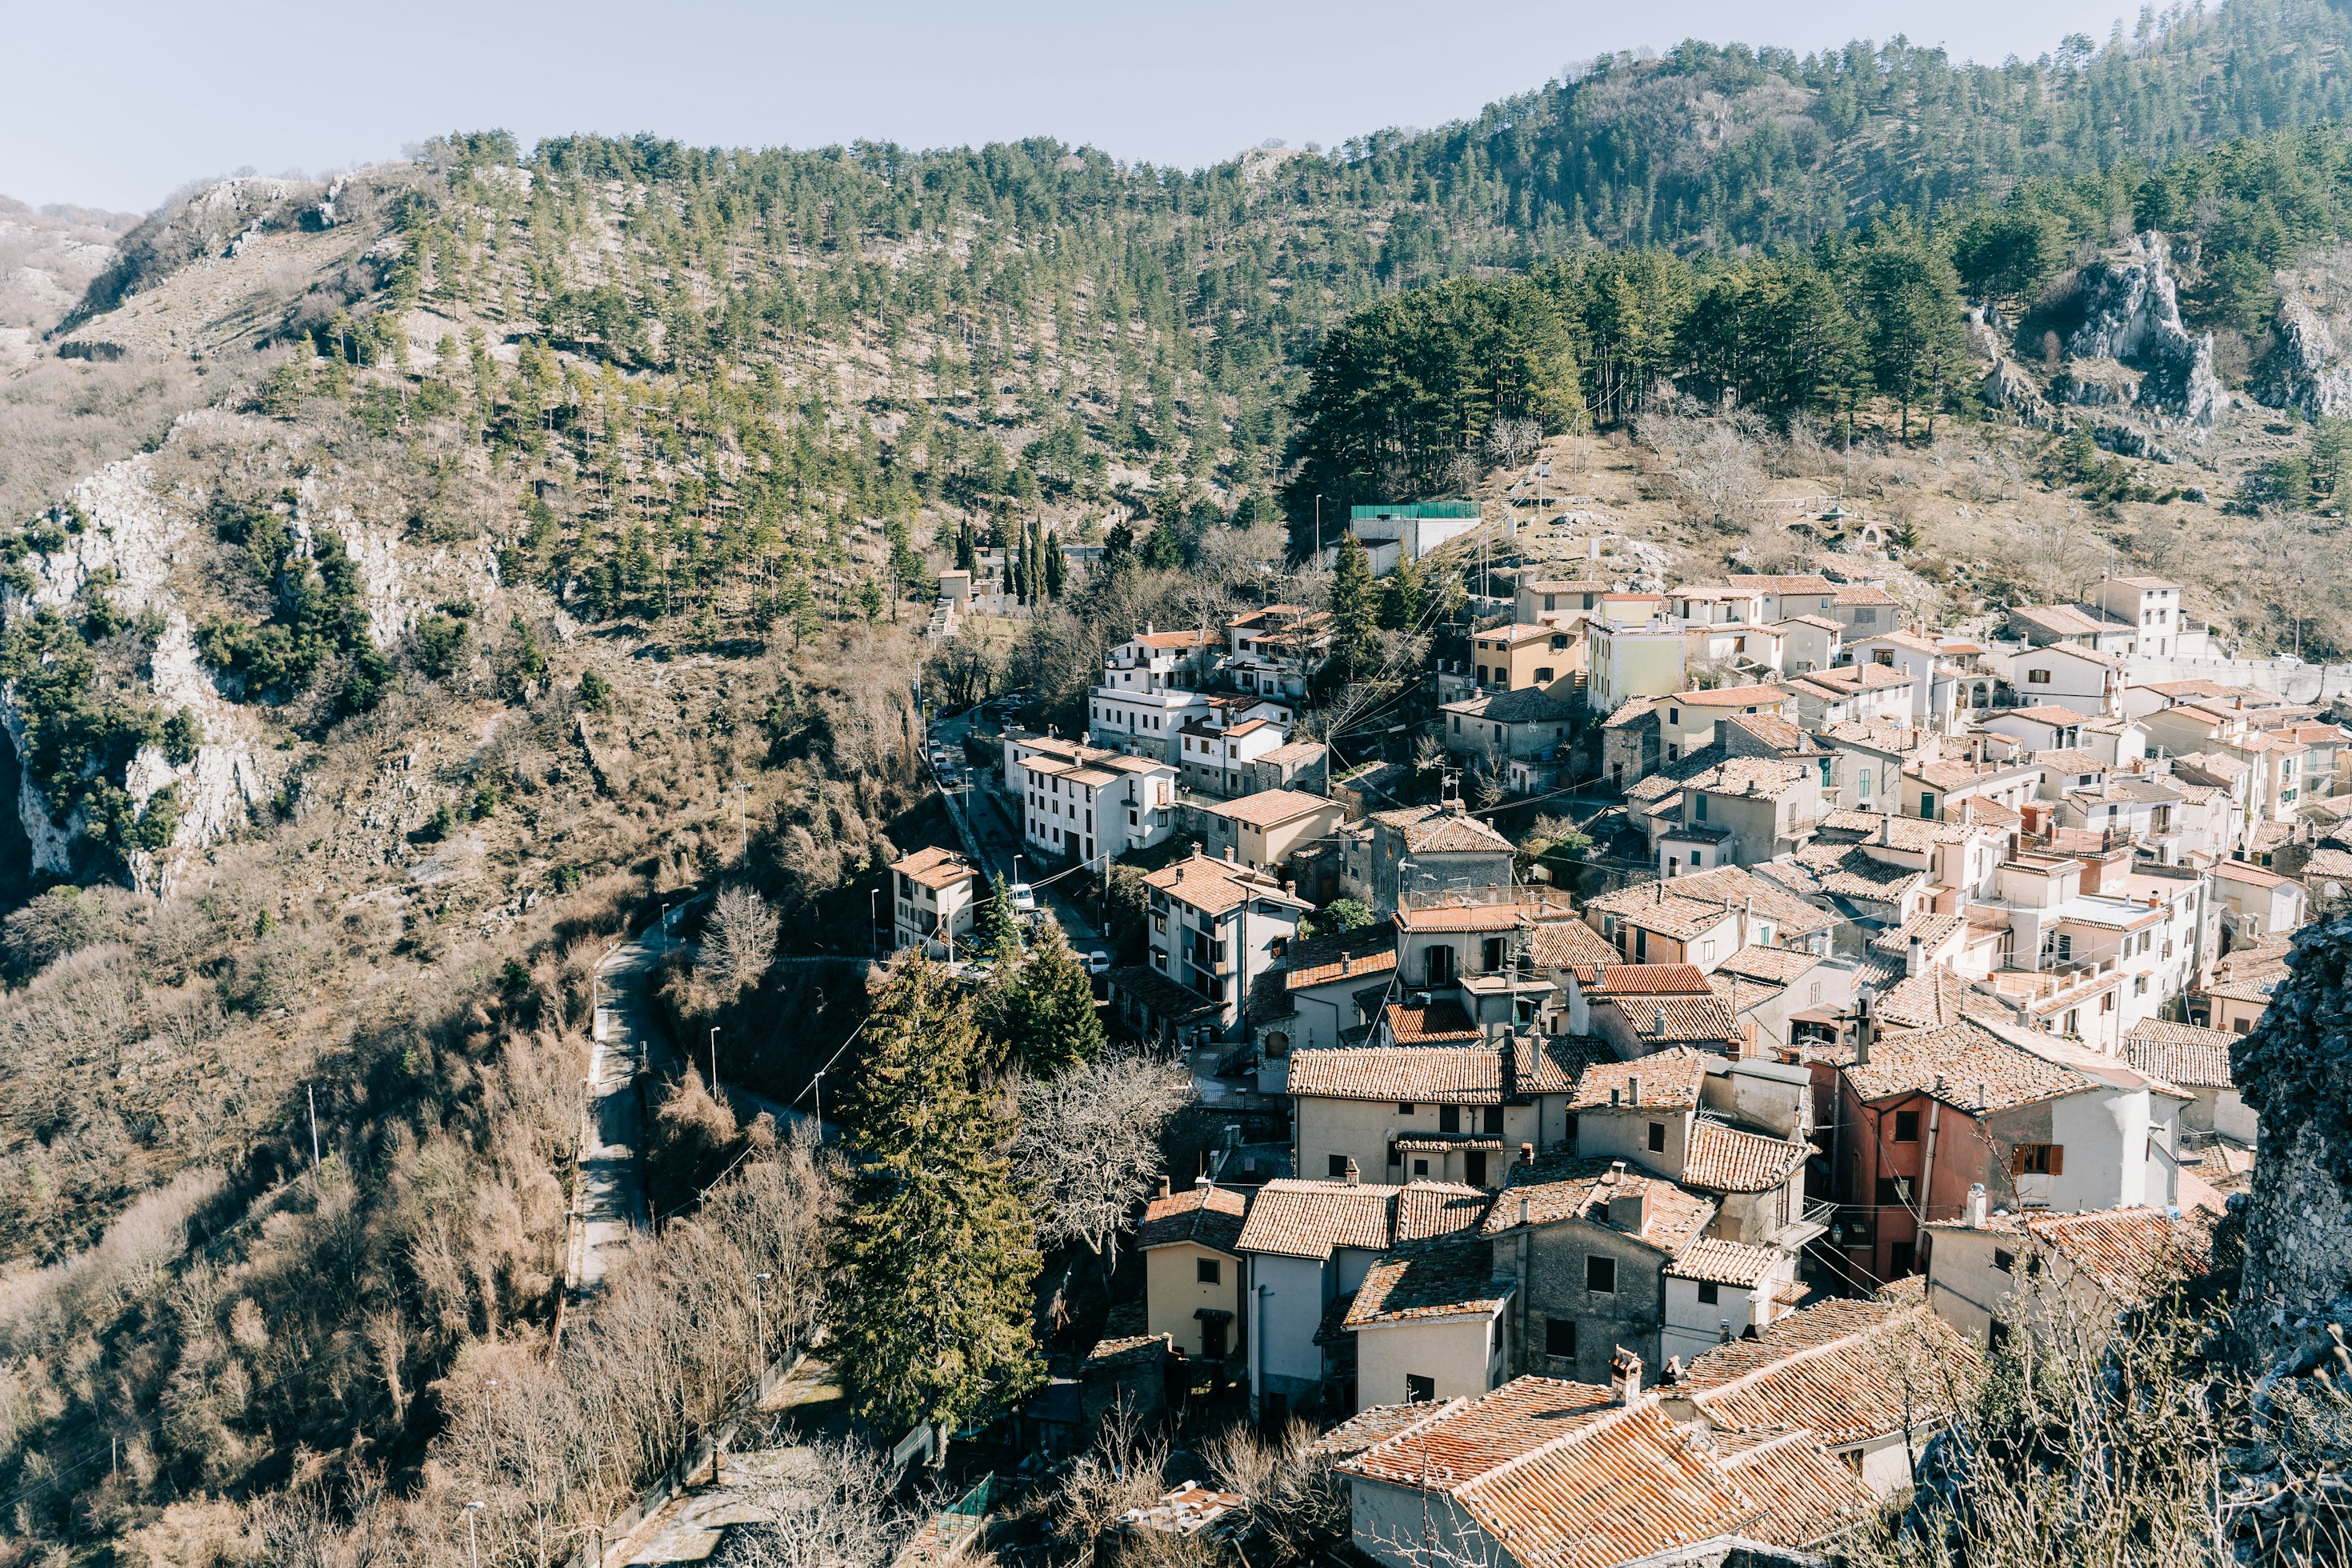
(1474, 1167)
(1212, 1338)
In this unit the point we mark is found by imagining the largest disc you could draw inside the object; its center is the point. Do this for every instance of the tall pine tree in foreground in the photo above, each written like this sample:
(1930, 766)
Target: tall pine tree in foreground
(934, 1254)
(1355, 609)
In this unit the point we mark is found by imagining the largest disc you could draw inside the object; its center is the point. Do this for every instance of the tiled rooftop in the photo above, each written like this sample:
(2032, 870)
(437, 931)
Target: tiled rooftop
(1726, 1160)
(1438, 1075)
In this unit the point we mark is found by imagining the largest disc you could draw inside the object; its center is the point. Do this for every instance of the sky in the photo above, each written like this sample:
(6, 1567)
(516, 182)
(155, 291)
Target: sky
(116, 106)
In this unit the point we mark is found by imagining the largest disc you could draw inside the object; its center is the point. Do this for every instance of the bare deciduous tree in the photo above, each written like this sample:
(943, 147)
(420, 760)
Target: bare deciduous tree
(742, 939)
(832, 1507)
(1509, 440)
(1089, 1145)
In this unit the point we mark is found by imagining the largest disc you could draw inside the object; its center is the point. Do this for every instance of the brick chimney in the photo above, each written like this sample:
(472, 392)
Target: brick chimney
(1864, 1027)
(1625, 1375)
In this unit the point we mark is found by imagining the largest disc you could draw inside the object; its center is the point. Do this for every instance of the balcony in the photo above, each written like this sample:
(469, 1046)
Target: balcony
(2023, 985)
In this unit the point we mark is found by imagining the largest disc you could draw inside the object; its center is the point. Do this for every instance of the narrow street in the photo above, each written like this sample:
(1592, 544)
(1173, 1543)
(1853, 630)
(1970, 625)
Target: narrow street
(612, 1199)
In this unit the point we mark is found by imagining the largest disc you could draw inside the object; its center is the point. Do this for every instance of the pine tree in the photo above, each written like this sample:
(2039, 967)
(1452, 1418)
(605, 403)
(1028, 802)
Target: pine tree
(934, 1252)
(994, 936)
(1401, 606)
(1355, 613)
(1048, 1019)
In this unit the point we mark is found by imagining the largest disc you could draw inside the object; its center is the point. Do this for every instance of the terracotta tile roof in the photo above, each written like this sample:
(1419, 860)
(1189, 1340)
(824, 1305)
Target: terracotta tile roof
(1755, 778)
(1552, 1064)
(1725, 1160)
(1864, 594)
(1667, 1081)
(1447, 1278)
(1618, 979)
(935, 867)
(1214, 886)
(2120, 1249)
(1463, 917)
(2068, 620)
(1176, 639)
(1376, 1425)
(1443, 1019)
(1434, 1075)
(1772, 965)
(1732, 697)
(1922, 1001)
(1211, 1217)
(1631, 712)
(1782, 584)
(1558, 1188)
(1771, 729)
(2149, 583)
(1563, 1473)
(2246, 871)
(1434, 830)
(2180, 1053)
(1965, 1065)
(1807, 1493)
(1911, 640)
(1528, 705)
(1560, 943)
(1932, 929)
(1296, 1218)
(1659, 907)
(1270, 806)
(1344, 967)
(2061, 760)
(1820, 622)
(1848, 1370)
(1719, 1262)
(1841, 680)
(1662, 1021)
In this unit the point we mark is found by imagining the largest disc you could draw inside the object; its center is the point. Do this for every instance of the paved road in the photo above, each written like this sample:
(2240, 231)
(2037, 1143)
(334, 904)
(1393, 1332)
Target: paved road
(611, 1198)
(1000, 836)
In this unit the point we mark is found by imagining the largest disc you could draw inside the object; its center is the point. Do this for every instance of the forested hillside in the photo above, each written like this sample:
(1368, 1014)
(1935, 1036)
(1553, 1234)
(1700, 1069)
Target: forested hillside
(418, 580)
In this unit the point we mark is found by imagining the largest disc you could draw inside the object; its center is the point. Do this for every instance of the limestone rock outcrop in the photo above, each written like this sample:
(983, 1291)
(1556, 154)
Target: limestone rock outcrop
(2131, 314)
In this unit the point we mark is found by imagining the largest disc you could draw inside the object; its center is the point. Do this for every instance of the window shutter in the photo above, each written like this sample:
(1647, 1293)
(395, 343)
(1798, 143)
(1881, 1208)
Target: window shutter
(2017, 1161)
(2057, 1159)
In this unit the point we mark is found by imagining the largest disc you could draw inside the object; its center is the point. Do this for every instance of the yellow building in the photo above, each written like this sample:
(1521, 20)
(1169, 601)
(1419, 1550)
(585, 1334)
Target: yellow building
(1192, 1269)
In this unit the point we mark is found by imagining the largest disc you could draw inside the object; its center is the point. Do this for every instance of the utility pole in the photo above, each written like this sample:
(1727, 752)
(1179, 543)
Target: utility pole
(473, 1543)
(312, 1094)
(714, 1061)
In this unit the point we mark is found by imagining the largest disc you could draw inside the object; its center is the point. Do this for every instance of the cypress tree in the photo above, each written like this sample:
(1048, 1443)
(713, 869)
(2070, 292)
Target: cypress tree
(933, 1252)
(1355, 610)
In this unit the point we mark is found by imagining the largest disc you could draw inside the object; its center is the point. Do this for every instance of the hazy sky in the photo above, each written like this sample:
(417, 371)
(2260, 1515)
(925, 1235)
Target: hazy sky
(115, 105)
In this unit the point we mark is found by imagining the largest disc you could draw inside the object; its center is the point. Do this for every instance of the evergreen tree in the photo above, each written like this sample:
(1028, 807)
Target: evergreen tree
(1405, 599)
(933, 1251)
(1047, 1018)
(1907, 289)
(1355, 610)
(995, 936)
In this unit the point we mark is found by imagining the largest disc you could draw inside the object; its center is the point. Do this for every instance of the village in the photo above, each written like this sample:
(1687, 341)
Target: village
(1666, 1192)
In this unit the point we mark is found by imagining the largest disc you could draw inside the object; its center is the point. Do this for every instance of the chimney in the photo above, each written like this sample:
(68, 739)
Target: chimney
(1354, 1176)
(1163, 1186)
(1625, 1375)
(1633, 1088)
(1196, 849)
(1886, 829)
(1916, 960)
(1977, 1206)
(1228, 854)
(1527, 1155)
(1864, 1025)
(1723, 1330)
(1524, 1208)
(1629, 1208)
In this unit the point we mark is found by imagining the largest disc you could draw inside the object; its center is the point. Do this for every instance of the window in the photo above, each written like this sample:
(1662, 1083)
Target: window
(1543, 674)
(1404, 1108)
(1864, 777)
(1492, 1119)
(1421, 1167)
(1559, 1336)
(1906, 1127)
(2037, 678)
(1698, 807)
(1208, 1270)
(1899, 1259)
(1710, 1294)
(1474, 1167)
(1600, 1275)
(1674, 715)
(1449, 1119)
(1569, 1131)
(2038, 1160)
(1890, 1192)
(1927, 807)
(1657, 1137)
(1493, 953)
(2004, 1261)
(1338, 1165)
(1419, 1389)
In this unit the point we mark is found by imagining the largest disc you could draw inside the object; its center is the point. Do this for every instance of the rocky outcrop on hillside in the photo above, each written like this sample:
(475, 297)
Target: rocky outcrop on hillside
(2306, 368)
(2131, 315)
(2295, 1070)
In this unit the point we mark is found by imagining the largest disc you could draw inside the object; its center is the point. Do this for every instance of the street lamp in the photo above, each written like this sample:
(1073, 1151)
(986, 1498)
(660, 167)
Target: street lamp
(759, 1319)
(874, 915)
(473, 1542)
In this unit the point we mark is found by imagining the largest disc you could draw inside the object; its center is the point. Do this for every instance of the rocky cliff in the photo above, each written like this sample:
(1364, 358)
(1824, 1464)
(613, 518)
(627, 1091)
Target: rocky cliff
(2131, 316)
(2295, 1070)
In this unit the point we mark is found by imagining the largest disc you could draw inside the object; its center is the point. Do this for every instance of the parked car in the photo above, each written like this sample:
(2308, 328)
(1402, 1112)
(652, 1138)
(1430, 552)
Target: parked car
(1097, 961)
(1023, 898)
